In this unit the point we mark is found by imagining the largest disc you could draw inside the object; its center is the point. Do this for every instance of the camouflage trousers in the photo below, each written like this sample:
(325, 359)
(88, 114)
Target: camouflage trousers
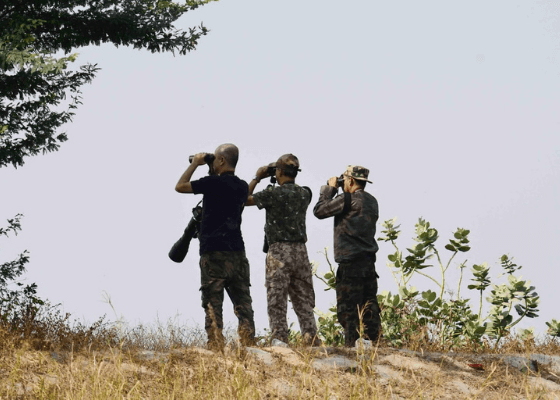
(356, 298)
(227, 270)
(288, 273)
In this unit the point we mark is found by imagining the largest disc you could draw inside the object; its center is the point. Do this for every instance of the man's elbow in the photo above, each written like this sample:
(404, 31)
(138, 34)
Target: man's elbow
(319, 214)
(183, 188)
(250, 201)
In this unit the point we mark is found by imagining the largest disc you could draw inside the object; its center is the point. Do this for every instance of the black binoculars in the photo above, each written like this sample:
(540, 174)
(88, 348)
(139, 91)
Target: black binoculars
(339, 181)
(271, 172)
(208, 158)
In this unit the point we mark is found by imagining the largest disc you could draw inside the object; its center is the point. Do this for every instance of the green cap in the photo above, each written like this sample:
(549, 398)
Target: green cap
(287, 161)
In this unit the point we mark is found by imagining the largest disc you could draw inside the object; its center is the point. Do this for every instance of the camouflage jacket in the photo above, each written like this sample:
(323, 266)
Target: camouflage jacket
(286, 206)
(354, 228)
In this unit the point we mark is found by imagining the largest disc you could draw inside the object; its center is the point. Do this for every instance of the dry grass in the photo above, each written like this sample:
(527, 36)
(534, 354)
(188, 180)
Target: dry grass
(108, 361)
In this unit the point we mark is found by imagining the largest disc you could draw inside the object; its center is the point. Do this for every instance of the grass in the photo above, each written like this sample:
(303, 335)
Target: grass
(57, 358)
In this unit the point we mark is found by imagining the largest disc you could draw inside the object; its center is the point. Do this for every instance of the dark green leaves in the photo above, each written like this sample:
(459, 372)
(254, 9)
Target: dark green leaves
(330, 280)
(391, 231)
(424, 234)
(461, 241)
(481, 277)
(508, 265)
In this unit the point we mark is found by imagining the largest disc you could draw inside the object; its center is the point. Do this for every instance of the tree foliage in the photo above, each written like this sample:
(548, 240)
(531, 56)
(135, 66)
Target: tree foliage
(37, 38)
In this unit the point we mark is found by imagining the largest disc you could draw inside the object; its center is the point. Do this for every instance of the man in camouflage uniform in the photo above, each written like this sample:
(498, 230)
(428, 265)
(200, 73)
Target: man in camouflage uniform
(288, 270)
(355, 213)
(223, 264)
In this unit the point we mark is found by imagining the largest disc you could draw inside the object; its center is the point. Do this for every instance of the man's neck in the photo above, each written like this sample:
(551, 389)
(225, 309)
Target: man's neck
(354, 189)
(286, 181)
(227, 172)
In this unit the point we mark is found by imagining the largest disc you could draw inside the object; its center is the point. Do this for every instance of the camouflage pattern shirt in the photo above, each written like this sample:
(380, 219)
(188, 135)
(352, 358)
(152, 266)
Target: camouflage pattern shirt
(286, 206)
(354, 229)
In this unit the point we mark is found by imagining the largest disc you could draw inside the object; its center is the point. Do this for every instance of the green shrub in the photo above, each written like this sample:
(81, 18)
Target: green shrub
(436, 317)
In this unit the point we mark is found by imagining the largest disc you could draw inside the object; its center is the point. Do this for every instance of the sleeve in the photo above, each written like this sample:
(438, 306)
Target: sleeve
(327, 206)
(263, 199)
(308, 190)
(201, 186)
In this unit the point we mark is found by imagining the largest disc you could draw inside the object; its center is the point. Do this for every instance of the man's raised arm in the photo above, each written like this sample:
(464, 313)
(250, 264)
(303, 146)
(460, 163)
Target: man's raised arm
(184, 184)
(327, 206)
(261, 173)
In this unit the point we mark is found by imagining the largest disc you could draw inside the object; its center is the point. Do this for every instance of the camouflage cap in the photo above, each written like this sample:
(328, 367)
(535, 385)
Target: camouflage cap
(357, 172)
(287, 161)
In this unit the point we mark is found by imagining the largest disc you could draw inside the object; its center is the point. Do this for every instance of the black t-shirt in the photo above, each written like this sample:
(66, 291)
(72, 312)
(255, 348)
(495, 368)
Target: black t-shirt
(224, 198)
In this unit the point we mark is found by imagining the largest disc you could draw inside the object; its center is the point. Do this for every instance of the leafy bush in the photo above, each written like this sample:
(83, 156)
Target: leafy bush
(328, 328)
(452, 322)
(435, 317)
(19, 303)
(553, 328)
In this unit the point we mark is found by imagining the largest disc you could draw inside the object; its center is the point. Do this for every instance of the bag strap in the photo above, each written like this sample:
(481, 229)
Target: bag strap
(347, 202)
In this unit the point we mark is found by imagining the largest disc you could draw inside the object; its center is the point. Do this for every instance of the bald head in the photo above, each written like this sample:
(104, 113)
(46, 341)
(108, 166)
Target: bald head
(229, 152)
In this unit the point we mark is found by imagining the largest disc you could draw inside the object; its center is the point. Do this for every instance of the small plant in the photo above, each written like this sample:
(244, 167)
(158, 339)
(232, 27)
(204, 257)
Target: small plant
(553, 328)
(399, 316)
(419, 254)
(328, 328)
(329, 278)
(527, 335)
(482, 281)
(19, 303)
(514, 294)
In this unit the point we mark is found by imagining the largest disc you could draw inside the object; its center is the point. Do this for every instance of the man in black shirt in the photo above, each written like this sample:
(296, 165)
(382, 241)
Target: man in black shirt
(223, 264)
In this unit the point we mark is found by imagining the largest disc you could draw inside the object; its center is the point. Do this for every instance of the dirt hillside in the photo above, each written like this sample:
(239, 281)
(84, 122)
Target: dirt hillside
(277, 372)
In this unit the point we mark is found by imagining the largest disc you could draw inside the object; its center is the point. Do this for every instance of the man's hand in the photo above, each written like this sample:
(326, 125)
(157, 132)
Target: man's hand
(198, 159)
(332, 182)
(262, 172)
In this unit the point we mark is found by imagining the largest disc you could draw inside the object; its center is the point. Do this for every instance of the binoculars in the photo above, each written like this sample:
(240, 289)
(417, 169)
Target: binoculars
(339, 181)
(208, 158)
(271, 172)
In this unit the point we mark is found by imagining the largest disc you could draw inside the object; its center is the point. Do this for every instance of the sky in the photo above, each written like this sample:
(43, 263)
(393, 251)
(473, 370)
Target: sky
(453, 106)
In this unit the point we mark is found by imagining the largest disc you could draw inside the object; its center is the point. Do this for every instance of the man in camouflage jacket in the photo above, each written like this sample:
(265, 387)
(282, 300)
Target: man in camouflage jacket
(355, 214)
(288, 270)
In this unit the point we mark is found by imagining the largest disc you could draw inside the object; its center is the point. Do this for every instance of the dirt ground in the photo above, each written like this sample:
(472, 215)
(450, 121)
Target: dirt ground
(407, 374)
(279, 372)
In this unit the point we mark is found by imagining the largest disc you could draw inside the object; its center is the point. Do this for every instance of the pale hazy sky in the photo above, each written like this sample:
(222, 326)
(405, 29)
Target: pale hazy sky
(453, 106)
